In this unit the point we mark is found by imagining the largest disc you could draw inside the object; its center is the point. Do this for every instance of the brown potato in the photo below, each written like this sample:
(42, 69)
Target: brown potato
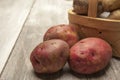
(115, 15)
(81, 7)
(110, 5)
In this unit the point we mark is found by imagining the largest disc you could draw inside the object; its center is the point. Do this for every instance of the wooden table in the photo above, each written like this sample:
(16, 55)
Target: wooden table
(22, 26)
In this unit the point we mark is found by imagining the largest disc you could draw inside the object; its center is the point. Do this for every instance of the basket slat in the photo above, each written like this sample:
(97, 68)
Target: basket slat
(92, 8)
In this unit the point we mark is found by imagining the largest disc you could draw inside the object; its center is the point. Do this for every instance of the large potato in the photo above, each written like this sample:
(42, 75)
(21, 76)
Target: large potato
(110, 5)
(64, 32)
(50, 56)
(90, 55)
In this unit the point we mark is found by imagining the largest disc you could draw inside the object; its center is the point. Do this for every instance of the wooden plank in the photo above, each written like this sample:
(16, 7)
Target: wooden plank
(13, 14)
(46, 13)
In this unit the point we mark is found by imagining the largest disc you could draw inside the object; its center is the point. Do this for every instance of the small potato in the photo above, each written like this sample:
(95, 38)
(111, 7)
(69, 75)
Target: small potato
(81, 7)
(110, 5)
(50, 56)
(115, 15)
(90, 55)
(64, 32)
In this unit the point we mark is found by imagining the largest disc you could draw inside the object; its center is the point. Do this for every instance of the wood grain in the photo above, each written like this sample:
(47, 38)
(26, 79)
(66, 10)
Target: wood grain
(13, 14)
(100, 23)
(44, 14)
(92, 8)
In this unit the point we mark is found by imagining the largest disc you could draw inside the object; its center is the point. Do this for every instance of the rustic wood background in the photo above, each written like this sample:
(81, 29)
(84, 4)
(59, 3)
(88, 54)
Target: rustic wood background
(13, 14)
(23, 23)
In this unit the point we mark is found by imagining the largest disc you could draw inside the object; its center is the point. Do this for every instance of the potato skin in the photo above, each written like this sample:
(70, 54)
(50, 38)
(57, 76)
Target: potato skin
(110, 5)
(115, 15)
(90, 55)
(64, 32)
(81, 7)
(50, 56)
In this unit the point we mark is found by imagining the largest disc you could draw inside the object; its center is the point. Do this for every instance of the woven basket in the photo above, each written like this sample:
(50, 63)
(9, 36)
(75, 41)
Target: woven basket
(90, 26)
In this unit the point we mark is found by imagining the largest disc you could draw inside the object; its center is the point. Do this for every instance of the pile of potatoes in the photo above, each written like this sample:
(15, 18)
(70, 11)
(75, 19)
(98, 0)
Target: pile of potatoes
(62, 44)
(110, 6)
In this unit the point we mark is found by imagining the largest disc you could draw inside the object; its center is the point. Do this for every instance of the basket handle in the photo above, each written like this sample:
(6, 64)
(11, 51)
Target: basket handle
(92, 8)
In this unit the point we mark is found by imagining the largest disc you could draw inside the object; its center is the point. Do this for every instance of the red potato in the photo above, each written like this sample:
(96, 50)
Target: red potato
(50, 56)
(64, 32)
(90, 55)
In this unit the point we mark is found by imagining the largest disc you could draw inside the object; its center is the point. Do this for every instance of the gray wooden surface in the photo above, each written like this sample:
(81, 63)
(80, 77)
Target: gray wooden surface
(43, 15)
(13, 14)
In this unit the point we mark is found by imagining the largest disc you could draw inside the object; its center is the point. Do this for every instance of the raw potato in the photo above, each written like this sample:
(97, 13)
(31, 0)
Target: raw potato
(64, 32)
(90, 55)
(115, 15)
(111, 5)
(81, 7)
(50, 56)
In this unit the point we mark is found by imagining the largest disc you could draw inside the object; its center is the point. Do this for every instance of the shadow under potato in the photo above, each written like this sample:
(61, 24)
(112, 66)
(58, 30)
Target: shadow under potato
(117, 58)
(67, 70)
(94, 75)
(50, 76)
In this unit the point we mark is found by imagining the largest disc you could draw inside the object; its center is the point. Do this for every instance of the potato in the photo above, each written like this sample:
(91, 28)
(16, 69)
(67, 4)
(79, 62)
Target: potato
(115, 15)
(50, 56)
(90, 55)
(81, 7)
(64, 32)
(110, 5)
